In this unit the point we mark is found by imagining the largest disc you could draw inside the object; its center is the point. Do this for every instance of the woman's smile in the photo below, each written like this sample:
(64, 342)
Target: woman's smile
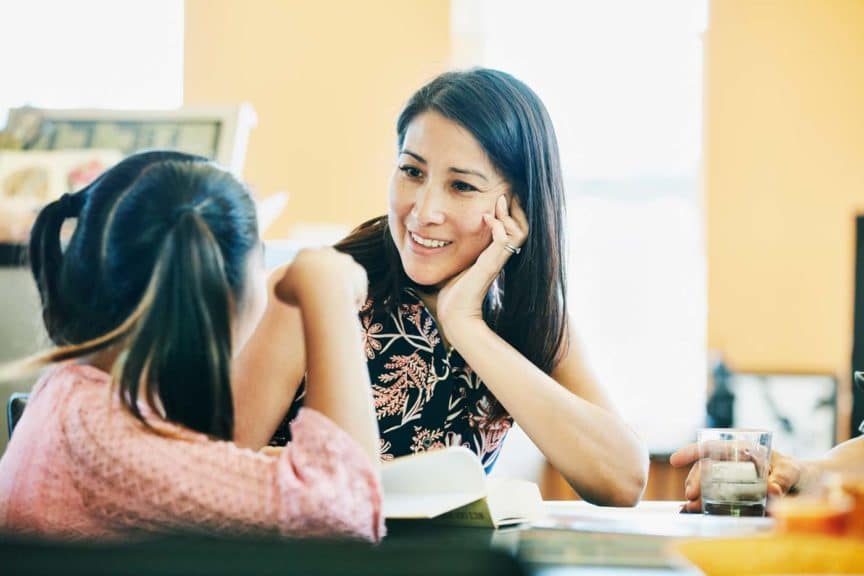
(427, 245)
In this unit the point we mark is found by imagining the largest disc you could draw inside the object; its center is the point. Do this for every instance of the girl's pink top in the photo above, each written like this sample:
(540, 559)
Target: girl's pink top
(80, 466)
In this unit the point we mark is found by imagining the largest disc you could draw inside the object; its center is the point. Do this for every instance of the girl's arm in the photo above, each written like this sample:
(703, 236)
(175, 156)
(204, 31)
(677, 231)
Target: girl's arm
(132, 479)
(329, 288)
(267, 372)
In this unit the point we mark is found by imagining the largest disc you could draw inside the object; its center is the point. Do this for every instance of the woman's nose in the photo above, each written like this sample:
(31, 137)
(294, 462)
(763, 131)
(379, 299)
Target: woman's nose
(428, 207)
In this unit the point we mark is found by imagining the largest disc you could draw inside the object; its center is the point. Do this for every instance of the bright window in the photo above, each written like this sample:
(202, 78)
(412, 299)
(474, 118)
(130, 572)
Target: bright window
(91, 54)
(622, 80)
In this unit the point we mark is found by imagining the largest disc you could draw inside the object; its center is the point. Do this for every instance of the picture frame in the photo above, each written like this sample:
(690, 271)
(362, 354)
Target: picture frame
(220, 133)
(29, 179)
(800, 408)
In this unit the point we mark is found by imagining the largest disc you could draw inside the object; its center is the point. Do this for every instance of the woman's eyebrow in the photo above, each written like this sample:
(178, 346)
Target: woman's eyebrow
(467, 171)
(413, 155)
(451, 169)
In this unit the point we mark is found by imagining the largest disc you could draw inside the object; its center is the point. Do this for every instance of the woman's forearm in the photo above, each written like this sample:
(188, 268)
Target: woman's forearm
(599, 455)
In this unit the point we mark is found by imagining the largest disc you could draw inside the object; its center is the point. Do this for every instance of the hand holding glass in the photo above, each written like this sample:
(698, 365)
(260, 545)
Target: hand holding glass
(734, 470)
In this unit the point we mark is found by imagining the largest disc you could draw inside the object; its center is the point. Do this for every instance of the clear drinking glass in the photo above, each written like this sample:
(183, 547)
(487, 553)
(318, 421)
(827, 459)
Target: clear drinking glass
(734, 470)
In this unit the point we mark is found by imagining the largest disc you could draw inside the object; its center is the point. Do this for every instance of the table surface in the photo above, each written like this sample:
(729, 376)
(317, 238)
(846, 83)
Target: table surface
(581, 539)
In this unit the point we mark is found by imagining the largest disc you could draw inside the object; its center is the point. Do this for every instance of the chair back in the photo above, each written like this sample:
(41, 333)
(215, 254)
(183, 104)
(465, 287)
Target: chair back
(14, 409)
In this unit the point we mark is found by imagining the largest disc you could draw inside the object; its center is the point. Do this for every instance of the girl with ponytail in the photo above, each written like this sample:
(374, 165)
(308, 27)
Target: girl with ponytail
(161, 281)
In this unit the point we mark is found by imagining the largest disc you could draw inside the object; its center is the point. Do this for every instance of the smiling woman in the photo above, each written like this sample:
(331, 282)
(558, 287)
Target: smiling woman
(466, 328)
(444, 186)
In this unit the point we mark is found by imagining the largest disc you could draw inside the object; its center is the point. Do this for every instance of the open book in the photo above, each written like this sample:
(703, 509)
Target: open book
(450, 486)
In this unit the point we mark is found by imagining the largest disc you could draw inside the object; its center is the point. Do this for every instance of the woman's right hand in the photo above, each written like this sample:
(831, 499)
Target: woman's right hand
(784, 475)
(321, 269)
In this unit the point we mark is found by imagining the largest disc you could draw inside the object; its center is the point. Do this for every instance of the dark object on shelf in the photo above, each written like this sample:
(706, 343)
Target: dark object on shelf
(858, 330)
(858, 333)
(721, 404)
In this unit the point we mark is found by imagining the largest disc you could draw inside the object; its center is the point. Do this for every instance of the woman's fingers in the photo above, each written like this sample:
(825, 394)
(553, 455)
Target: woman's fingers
(507, 234)
(506, 230)
(492, 259)
(693, 491)
(515, 227)
(518, 218)
(685, 456)
(784, 475)
(692, 507)
(499, 233)
(692, 485)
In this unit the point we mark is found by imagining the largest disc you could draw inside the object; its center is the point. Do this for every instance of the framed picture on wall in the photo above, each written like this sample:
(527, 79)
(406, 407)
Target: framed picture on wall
(59, 151)
(800, 408)
(29, 179)
(217, 132)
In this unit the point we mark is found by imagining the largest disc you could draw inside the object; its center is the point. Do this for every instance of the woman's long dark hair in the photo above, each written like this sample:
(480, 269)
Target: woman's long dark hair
(527, 305)
(155, 266)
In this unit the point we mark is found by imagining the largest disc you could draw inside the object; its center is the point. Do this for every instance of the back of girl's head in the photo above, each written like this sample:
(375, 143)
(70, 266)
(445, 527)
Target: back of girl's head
(511, 124)
(156, 267)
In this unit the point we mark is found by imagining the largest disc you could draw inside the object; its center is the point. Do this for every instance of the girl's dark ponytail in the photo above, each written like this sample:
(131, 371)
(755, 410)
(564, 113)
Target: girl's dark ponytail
(46, 254)
(182, 344)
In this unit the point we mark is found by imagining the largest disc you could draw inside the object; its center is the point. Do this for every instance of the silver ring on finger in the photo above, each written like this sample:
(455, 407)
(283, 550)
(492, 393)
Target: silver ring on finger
(512, 249)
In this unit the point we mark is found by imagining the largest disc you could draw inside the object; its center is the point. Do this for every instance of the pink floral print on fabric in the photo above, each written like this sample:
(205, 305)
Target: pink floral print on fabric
(426, 397)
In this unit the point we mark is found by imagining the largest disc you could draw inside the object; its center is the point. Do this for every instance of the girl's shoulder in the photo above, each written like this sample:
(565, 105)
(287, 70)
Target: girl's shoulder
(84, 401)
(58, 382)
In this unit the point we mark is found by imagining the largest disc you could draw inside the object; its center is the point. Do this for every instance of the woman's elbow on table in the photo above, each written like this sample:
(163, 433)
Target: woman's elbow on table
(634, 482)
(629, 491)
(620, 486)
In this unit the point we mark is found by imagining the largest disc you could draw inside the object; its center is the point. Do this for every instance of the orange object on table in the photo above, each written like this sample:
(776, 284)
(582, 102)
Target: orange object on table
(773, 554)
(854, 487)
(805, 515)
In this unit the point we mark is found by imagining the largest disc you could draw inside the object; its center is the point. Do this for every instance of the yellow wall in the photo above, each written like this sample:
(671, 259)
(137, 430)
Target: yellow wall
(784, 161)
(327, 79)
(784, 141)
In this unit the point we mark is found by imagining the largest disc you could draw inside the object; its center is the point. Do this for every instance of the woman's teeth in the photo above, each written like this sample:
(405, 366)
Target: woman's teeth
(427, 242)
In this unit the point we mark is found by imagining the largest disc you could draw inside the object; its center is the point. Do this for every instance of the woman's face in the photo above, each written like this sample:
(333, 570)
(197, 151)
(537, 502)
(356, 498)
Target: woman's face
(443, 184)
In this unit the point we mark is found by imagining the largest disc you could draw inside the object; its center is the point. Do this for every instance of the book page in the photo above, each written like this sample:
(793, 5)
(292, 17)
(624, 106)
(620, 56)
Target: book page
(408, 506)
(450, 485)
(430, 483)
(513, 501)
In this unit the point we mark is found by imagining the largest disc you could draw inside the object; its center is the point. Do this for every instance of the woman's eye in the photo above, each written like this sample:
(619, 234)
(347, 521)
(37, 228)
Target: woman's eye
(463, 186)
(411, 171)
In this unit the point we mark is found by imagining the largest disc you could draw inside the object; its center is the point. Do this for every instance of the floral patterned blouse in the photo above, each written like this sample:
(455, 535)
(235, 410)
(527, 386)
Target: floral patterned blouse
(426, 396)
